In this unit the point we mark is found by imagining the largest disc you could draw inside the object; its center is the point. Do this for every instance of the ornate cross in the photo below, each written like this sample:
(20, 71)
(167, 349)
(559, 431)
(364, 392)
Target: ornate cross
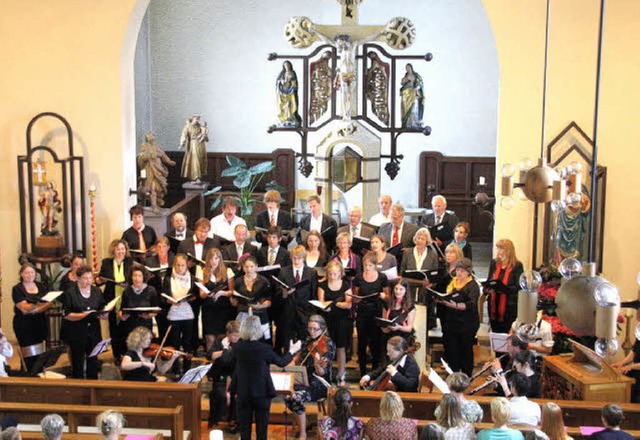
(39, 171)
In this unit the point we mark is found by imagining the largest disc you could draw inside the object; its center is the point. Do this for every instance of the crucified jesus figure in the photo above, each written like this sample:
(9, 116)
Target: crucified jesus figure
(347, 70)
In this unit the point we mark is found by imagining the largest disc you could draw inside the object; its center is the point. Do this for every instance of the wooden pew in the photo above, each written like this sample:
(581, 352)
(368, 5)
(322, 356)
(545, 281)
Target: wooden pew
(84, 415)
(109, 394)
(421, 406)
(34, 435)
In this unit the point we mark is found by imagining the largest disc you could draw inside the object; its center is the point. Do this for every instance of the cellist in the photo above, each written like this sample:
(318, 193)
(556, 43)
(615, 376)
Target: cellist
(317, 355)
(402, 370)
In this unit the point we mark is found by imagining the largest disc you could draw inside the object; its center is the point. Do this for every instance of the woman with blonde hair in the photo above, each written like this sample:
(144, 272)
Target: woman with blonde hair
(135, 365)
(110, 424)
(216, 305)
(500, 415)
(451, 420)
(390, 424)
(505, 269)
(552, 422)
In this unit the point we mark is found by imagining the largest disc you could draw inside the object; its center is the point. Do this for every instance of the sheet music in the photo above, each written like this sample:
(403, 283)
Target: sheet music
(281, 381)
(446, 366)
(111, 304)
(51, 295)
(499, 342)
(438, 382)
(202, 287)
(391, 273)
(100, 347)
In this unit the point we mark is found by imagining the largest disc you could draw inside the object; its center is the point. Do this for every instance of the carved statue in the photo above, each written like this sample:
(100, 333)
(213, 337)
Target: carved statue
(320, 81)
(193, 138)
(377, 81)
(412, 94)
(287, 92)
(151, 159)
(50, 208)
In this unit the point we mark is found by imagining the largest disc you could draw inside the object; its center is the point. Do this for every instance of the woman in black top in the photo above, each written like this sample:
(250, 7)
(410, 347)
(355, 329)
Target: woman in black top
(82, 304)
(366, 284)
(503, 306)
(113, 273)
(29, 321)
(135, 365)
(335, 290)
(138, 294)
(255, 287)
(460, 319)
(162, 260)
(216, 305)
(316, 250)
(400, 306)
(71, 277)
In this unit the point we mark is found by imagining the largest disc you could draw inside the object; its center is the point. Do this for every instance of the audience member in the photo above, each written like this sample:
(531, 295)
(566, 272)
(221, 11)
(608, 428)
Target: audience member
(224, 225)
(6, 351)
(452, 422)
(552, 422)
(390, 424)
(432, 432)
(500, 415)
(384, 216)
(11, 433)
(612, 416)
(52, 426)
(471, 410)
(110, 424)
(523, 411)
(341, 425)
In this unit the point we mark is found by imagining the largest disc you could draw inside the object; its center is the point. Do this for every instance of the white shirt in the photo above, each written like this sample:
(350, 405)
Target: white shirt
(273, 214)
(380, 218)
(180, 235)
(357, 231)
(272, 253)
(198, 248)
(316, 223)
(220, 226)
(524, 412)
(545, 334)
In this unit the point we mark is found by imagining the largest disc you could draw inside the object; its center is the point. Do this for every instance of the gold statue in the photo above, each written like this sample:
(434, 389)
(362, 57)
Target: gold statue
(151, 160)
(193, 138)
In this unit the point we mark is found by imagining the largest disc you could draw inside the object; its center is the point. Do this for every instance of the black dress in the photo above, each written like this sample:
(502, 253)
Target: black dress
(503, 307)
(259, 292)
(147, 297)
(369, 334)
(216, 313)
(393, 314)
(338, 322)
(140, 374)
(29, 329)
(106, 271)
(83, 335)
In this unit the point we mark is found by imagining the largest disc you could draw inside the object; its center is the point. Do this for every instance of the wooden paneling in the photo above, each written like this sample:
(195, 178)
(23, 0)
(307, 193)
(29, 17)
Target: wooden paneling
(456, 178)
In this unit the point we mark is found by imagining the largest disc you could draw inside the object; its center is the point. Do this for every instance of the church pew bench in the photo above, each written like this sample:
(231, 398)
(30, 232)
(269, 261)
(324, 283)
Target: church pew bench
(421, 406)
(79, 417)
(109, 394)
(37, 435)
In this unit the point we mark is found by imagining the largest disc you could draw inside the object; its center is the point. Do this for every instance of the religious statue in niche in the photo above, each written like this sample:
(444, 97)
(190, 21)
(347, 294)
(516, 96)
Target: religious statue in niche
(193, 140)
(377, 80)
(320, 82)
(287, 93)
(50, 208)
(572, 224)
(151, 161)
(412, 98)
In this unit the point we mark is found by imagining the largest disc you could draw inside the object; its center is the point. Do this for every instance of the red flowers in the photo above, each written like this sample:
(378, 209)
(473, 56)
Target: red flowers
(557, 327)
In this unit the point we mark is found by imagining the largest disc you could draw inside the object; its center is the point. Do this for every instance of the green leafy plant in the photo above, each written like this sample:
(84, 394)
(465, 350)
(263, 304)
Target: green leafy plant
(246, 180)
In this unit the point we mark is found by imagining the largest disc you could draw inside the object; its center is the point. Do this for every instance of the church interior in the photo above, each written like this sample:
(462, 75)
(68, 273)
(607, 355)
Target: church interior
(504, 82)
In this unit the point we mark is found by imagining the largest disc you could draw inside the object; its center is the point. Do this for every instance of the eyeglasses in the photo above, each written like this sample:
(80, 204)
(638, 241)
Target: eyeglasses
(313, 329)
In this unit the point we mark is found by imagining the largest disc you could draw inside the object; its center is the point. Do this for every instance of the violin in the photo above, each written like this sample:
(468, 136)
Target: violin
(165, 353)
(319, 347)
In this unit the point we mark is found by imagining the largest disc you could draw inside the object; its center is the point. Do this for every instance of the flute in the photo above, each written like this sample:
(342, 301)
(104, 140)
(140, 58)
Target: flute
(481, 372)
(491, 379)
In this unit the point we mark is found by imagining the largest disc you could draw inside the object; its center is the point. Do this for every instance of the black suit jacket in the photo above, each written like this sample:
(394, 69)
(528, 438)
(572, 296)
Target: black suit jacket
(230, 253)
(284, 221)
(132, 239)
(443, 231)
(251, 377)
(188, 246)
(329, 236)
(282, 257)
(106, 271)
(365, 231)
(157, 278)
(408, 231)
(300, 298)
(175, 242)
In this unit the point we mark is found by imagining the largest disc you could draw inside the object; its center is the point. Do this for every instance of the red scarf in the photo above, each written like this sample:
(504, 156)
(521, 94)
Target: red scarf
(499, 300)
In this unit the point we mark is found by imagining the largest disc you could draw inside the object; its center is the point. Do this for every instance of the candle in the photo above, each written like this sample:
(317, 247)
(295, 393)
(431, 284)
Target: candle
(143, 173)
(481, 181)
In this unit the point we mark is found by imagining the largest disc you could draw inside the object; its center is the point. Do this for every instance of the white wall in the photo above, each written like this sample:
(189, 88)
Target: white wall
(211, 58)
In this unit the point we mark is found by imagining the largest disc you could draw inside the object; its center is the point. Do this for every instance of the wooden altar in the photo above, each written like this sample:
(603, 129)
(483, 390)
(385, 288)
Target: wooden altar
(583, 376)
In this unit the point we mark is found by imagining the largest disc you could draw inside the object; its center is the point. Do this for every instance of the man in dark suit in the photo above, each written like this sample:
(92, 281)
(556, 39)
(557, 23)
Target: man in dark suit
(441, 222)
(251, 380)
(318, 221)
(355, 228)
(273, 216)
(273, 252)
(398, 231)
(241, 247)
(179, 231)
(292, 322)
(139, 237)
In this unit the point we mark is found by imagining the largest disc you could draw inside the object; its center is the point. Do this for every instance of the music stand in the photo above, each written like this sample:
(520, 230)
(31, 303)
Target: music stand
(196, 374)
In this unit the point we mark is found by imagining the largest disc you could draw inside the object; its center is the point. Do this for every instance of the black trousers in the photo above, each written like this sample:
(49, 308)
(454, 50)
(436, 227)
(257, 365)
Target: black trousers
(80, 350)
(218, 403)
(369, 334)
(458, 347)
(248, 408)
(181, 337)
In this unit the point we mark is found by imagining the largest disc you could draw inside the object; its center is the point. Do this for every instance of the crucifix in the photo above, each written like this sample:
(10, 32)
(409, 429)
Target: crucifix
(301, 32)
(39, 172)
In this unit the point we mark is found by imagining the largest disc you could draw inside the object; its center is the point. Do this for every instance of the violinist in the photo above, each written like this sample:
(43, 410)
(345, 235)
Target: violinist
(402, 371)
(400, 306)
(317, 355)
(460, 320)
(138, 294)
(137, 363)
(221, 401)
